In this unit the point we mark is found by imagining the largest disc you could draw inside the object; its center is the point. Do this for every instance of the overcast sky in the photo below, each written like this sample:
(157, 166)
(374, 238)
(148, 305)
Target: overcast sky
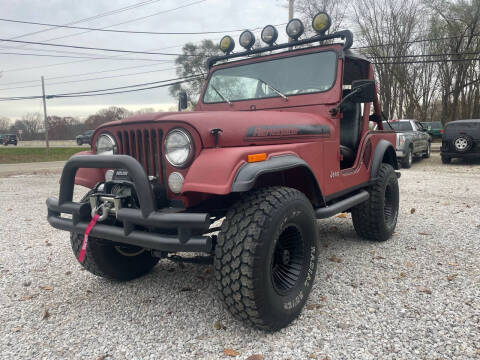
(17, 71)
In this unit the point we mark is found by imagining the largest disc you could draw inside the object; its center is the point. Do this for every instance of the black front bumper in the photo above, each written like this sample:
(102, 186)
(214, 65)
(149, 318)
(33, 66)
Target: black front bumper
(140, 227)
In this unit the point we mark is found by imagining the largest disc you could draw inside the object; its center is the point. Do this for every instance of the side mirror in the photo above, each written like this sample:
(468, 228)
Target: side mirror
(364, 91)
(182, 100)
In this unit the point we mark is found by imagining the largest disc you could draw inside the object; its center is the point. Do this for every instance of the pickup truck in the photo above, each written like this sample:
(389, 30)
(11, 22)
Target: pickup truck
(412, 140)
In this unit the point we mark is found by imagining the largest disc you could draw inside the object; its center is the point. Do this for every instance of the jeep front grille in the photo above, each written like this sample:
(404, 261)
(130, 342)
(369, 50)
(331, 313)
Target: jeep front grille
(145, 145)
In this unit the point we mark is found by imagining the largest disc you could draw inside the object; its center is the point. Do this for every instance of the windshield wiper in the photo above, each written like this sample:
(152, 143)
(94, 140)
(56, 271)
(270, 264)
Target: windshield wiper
(273, 89)
(220, 94)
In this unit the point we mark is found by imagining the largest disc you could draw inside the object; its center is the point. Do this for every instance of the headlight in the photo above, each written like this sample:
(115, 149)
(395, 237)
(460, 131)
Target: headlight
(106, 145)
(269, 35)
(227, 44)
(321, 22)
(178, 147)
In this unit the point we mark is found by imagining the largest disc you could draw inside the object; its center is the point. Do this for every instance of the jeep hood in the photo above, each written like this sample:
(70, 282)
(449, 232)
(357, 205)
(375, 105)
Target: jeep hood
(242, 128)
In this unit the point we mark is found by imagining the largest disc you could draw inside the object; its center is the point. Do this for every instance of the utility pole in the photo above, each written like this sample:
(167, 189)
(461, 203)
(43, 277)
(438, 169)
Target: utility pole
(45, 114)
(291, 4)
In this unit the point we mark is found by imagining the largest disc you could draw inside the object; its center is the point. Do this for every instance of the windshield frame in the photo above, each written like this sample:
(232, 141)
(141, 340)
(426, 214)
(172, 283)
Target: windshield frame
(242, 63)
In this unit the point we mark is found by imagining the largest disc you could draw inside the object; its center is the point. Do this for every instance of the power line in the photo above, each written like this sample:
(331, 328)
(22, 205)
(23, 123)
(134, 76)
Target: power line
(79, 57)
(95, 48)
(124, 31)
(103, 93)
(131, 20)
(421, 55)
(94, 17)
(90, 79)
(424, 61)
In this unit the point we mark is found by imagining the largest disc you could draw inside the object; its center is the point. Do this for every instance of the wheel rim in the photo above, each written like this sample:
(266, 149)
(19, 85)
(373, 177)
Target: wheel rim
(461, 143)
(389, 209)
(288, 260)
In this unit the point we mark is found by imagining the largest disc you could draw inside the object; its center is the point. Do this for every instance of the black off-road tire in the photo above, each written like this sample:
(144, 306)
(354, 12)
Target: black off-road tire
(408, 159)
(269, 231)
(446, 160)
(376, 218)
(105, 259)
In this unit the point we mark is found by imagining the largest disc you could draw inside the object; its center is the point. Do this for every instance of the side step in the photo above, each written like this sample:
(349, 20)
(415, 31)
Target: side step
(345, 204)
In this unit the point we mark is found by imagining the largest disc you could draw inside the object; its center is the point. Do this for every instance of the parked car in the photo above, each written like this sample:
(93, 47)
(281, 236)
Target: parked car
(461, 139)
(84, 138)
(412, 140)
(9, 139)
(434, 128)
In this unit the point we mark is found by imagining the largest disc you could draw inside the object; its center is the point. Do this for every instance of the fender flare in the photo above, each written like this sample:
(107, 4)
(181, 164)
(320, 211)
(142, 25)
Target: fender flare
(248, 173)
(383, 148)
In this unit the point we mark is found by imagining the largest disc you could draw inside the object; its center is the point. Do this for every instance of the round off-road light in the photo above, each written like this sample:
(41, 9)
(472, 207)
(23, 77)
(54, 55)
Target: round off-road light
(295, 28)
(106, 145)
(175, 182)
(321, 22)
(227, 44)
(178, 147)
(246, 39)
(269, 35)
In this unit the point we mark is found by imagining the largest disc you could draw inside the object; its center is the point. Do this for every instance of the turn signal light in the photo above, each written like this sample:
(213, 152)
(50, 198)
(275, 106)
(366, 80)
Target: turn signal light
(257, 157)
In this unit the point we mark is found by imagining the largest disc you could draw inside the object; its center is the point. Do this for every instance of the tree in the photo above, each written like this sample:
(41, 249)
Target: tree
(4, 124)
(193, 62)
(103, 116)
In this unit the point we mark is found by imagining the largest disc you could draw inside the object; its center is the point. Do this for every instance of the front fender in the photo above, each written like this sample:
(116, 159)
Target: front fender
(214, 170)
(89, 177)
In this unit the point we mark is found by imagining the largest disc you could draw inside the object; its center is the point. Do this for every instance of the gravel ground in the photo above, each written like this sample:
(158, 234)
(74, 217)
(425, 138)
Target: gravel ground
(414, 296)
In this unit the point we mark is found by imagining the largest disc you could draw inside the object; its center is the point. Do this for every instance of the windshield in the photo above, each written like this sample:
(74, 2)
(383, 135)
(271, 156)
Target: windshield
(302, 74)
(398, 125)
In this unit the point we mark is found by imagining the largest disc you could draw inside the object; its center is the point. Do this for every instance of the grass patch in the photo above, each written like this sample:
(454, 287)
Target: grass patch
(13, 155)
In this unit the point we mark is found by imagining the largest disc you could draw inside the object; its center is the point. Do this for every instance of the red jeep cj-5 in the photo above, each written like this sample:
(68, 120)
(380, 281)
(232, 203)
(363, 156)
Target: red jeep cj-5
(276, 141)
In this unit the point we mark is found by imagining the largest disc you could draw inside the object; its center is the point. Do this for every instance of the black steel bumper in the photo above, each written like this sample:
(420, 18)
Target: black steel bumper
(147, 217)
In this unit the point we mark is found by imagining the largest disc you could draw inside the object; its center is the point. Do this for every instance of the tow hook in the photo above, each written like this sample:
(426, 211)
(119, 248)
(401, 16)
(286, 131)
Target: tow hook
(103, 209)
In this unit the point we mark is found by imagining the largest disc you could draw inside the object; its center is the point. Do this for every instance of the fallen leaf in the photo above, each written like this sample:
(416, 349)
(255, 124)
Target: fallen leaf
(409, 264)
(423, 233)
(425, 290)
(46, 287)
(342, 216)
(26, 297)
(451, 277)
(255, 357)
(230, 352)
(323, 298)
(219, 326)
(207, 270)
(412, 211)
(452, 264)
(334, 228)
(10, 209)
(89, 291)
(46, 314)
(402, 274)
(335, 259)
(103, 357)
(17, 329)
(468, 206)
(314, 306)
(379, 257)
(312, 356)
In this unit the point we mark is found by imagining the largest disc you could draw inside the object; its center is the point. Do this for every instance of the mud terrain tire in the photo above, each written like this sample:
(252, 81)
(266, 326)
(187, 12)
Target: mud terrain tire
(376, 218)
(266, 257)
